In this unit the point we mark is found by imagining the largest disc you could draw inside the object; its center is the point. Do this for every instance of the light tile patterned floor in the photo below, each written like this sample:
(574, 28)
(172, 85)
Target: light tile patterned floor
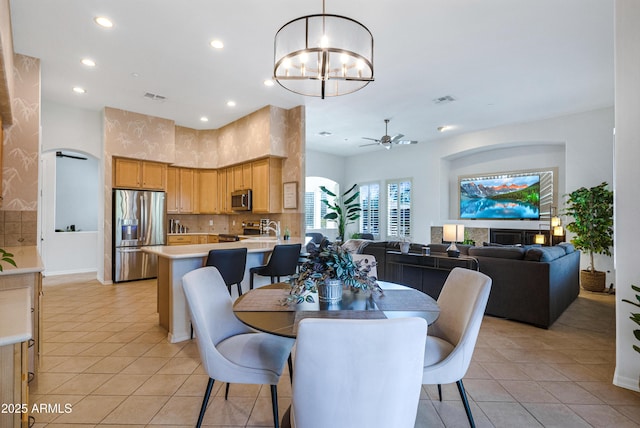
(106, 356)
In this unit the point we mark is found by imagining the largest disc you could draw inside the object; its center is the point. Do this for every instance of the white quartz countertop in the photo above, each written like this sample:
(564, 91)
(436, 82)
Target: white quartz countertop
(27, 260)
(202, 250)
(15, 316)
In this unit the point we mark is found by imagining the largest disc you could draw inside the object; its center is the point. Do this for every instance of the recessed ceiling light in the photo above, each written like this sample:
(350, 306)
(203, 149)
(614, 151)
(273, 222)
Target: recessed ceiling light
(103, 21)
(231, 103)
(204, 119)
(79, 90)
(134, 74)
(217, 44)
(268, 82)
(444, 128)
(88, 62)
(324, 133)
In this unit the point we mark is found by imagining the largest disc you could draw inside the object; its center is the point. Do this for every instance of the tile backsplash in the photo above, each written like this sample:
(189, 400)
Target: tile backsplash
(18, 228)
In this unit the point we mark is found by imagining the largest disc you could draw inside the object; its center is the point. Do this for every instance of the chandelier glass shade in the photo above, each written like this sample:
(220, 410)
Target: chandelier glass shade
(323, 55)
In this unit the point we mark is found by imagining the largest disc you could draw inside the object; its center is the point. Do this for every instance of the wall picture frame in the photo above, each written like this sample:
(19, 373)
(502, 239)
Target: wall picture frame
(290, 195)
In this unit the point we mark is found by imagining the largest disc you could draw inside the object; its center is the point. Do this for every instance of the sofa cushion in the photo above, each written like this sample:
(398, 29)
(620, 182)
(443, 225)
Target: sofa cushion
(544, 254)
(513, 253)
(355, 246)
(568, 247)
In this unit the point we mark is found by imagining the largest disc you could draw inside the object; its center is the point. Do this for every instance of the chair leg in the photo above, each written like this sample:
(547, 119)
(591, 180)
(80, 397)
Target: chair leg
(191, 330)
(226, 391)
(274, 405)
(205, 401)
(239, 289)
(251, 280)
(290, 368)
(440, 391)
(467, 409)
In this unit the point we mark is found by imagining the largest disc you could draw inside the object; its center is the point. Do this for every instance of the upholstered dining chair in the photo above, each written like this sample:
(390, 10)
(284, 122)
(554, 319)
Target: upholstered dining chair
(282, 262)
(230, 351)
(452, 338)
(231, 264)
(357, 373)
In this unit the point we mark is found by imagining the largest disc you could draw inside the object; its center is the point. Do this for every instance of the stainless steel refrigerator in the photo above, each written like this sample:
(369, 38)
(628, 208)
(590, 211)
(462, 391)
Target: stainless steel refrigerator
(138, 221)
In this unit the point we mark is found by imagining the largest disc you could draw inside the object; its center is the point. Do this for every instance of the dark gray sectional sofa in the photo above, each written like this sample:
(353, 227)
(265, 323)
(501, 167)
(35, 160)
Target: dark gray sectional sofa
(529, 284)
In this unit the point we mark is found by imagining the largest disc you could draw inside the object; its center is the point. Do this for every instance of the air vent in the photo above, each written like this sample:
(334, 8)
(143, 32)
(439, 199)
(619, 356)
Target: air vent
(444, 100)
(155, 97)
(324, 133)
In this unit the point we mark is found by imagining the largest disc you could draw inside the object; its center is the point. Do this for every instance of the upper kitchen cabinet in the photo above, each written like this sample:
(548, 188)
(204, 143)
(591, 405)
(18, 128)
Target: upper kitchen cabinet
(208, 191)
(267, 185)
(242, 176)
(181, 191)
(138, 174)
(225, 187)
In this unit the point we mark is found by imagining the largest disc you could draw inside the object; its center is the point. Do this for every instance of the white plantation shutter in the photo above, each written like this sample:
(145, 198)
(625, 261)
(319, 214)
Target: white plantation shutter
(399, 208)
(370, 204)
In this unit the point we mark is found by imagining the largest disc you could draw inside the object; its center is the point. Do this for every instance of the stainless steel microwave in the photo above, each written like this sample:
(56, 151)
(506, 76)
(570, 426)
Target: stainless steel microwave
(241, 200)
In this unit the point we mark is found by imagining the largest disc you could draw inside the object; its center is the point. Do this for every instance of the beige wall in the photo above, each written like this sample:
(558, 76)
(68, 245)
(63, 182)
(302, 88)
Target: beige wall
(20, 157)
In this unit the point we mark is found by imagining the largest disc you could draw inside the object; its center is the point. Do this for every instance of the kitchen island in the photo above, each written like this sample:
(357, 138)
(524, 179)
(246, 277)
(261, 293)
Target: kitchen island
(175, 261)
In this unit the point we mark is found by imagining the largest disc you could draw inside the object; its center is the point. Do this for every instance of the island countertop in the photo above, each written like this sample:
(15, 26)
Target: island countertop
(27, 260)
(257, 245)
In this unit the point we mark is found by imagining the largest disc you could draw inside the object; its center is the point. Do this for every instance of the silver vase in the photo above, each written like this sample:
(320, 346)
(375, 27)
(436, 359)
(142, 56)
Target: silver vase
(330, 290)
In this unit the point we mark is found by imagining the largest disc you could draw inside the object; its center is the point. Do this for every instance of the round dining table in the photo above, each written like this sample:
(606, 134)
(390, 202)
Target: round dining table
(263, 310)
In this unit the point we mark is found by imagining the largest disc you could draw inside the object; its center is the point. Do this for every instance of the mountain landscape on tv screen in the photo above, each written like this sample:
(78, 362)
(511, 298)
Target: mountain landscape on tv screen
(500, 198)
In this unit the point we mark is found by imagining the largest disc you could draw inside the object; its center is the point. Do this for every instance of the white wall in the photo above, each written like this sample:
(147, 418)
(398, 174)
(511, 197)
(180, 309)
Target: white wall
(627, 177)
(320, 164)
(77, 130)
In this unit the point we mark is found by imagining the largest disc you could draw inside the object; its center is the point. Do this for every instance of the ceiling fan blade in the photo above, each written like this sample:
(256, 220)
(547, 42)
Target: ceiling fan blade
(396, 137)
(406, 142)
(371, 144)
(372, 139)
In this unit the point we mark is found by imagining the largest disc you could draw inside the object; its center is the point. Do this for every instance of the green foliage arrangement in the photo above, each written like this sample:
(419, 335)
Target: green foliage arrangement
(592, 212)
(330, 262)
(344, 208)
(635, 317)
(7, 258)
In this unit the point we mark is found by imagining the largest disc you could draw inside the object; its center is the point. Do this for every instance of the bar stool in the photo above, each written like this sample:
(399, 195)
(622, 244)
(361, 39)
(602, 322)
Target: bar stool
(283, 262)
(231, 265)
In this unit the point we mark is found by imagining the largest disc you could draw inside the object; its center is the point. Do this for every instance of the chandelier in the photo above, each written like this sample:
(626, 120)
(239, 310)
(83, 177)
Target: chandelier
(323, 55)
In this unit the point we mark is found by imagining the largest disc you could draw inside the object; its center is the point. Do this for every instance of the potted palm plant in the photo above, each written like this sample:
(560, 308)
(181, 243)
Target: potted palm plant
(344, 209)
(592, 212)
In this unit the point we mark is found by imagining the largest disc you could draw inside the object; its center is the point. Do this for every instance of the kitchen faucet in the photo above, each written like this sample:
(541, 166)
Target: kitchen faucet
(276, 230)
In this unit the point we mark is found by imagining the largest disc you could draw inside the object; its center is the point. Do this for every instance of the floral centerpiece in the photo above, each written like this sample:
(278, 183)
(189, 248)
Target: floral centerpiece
(327, 262)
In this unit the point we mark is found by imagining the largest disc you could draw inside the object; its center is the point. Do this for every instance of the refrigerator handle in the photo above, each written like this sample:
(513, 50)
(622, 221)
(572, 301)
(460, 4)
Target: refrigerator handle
(143, 217)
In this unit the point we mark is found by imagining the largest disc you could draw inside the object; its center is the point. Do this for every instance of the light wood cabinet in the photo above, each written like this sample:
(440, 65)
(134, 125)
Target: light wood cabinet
(225, 187)
(208, 191)
(267, 185)
(242, 176)
(137, 174)
(1, 144)
(213, 239)
(180, 196)
(182, 239)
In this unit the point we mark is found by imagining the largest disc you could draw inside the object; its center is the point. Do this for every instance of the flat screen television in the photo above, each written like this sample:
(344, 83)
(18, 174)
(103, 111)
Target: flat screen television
(500, 197)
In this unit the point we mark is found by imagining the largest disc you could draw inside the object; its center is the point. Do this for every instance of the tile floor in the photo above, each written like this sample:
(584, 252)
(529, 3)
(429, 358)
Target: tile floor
(107, 360)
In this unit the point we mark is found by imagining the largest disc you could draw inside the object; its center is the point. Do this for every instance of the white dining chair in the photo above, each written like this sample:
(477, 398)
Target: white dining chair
(452, 338)
(357, 373)
(230, 351)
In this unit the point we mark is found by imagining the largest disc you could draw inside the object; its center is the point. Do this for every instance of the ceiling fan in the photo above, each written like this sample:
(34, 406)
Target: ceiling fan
(386, 141)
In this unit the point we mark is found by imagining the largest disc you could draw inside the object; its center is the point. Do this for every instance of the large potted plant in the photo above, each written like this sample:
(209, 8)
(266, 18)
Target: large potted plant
(592, 212)
(344, 208)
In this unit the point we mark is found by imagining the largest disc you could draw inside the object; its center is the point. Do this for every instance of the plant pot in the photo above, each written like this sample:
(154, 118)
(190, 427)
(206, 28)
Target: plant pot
(330, 291)
(404, 247)
(593, 281)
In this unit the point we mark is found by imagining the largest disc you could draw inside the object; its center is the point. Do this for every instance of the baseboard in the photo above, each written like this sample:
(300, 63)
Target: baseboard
(69, 272)
(626, 382)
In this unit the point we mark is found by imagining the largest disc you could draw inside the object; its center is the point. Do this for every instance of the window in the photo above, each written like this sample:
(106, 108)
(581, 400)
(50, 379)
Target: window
(315, 209)
(370, 204)
(399, 208)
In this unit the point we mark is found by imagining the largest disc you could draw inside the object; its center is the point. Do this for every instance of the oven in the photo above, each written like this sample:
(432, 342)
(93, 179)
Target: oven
(228, 238)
